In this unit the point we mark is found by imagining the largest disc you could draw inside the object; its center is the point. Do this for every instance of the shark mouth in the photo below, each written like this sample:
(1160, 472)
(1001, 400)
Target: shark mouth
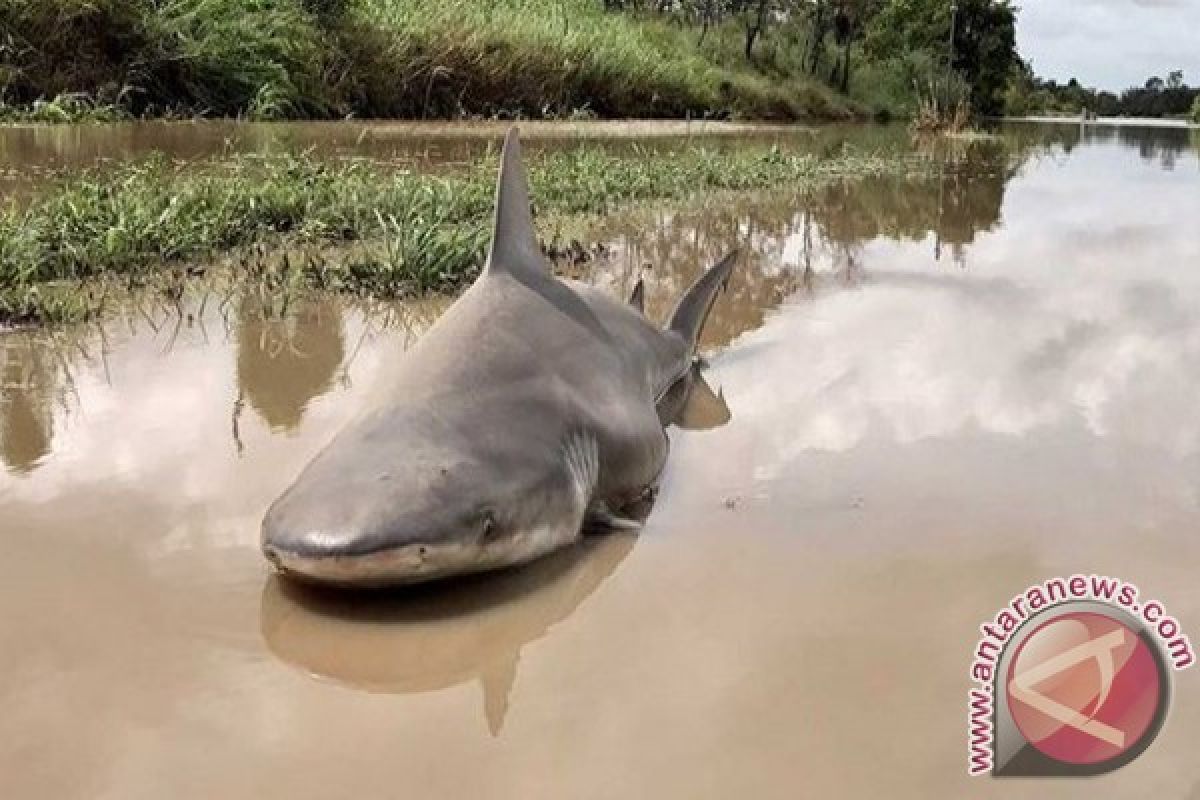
(418, 563)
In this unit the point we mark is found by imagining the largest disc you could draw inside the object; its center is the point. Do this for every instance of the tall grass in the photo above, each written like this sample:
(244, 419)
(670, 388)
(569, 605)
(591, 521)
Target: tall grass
(413, 231)
(383, 58)
(264, 57)
(917, 86)
(551, 56)
(64, 108)
(942, 104)
(206, 56)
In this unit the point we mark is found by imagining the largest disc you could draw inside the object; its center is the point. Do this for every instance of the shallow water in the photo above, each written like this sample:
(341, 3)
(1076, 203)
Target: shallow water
(942, 390)
(33, 155)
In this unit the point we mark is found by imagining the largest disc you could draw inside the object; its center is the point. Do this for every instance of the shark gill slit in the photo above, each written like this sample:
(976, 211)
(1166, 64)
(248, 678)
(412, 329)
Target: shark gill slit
(582, 454)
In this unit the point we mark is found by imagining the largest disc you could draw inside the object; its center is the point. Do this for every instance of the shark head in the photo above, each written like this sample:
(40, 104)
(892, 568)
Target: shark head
(360, 516)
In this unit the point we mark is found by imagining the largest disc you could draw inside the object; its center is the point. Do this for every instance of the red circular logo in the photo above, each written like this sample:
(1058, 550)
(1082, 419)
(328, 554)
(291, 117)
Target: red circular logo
(1084, 688)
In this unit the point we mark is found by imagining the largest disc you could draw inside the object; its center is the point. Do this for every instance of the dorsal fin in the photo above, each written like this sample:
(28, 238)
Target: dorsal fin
(514, 243)
(689, 316)
(638, 298)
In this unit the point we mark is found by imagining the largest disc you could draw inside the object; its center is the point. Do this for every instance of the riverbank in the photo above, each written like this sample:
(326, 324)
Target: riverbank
(415, 59)
(396, 232)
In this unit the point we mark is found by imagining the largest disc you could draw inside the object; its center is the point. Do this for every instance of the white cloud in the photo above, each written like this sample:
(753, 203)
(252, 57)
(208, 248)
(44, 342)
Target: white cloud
(1112, 44)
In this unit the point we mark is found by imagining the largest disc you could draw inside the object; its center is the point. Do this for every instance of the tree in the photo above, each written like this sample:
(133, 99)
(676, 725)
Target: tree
(850, 18)
(819, 23)
(976, 38)
(755, 12)
(985, 48)
(1019, 95)
(1175, 79)
(709, 12)
(1154, 83)
(1107, 104)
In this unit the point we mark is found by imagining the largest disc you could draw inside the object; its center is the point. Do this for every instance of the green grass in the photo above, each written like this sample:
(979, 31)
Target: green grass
(408, 232)
(387, 58)
(553, 56)
(203, 56)
(64, 108)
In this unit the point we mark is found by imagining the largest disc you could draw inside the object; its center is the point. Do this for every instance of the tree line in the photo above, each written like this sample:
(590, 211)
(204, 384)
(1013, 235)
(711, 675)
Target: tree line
(1157, 97)
(883, 51)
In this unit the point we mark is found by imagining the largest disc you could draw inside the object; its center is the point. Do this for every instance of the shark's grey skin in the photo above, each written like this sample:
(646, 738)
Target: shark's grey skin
(529, 408)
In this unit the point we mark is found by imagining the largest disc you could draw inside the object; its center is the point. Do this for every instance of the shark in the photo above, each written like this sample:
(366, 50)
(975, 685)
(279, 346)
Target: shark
(534, 409)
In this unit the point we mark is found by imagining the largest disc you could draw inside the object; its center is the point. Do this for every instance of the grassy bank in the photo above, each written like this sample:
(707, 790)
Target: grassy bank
(379, 58)
(411, 232)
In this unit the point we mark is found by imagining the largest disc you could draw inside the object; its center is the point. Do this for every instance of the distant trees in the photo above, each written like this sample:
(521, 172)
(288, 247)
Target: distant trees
(1170, 99)
(1154, 98)
(971, 41)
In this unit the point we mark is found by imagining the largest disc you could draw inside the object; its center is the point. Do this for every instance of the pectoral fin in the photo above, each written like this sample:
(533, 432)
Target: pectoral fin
(602, 519)
(691, 404)
(704, 408)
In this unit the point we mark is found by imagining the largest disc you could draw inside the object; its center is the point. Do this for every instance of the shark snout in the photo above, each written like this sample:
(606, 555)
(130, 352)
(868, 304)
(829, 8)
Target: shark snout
(316, 545)
(315, 562)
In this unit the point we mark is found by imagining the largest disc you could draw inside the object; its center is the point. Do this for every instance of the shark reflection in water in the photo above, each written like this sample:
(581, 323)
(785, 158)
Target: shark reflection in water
(429, 638)
(435, 636)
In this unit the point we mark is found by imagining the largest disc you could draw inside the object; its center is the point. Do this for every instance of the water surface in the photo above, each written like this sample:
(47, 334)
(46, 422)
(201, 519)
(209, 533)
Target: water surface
(942, 390)
(32, 156)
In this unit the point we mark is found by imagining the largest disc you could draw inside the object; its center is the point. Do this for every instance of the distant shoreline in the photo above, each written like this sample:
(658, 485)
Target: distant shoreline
(1128, 122)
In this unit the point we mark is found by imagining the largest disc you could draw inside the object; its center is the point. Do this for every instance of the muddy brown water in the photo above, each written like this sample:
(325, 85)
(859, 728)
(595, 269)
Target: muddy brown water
(31, 156)
(942, 390)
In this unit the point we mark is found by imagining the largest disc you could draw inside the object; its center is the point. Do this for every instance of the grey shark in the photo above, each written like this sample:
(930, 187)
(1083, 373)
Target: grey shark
(531, 410)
